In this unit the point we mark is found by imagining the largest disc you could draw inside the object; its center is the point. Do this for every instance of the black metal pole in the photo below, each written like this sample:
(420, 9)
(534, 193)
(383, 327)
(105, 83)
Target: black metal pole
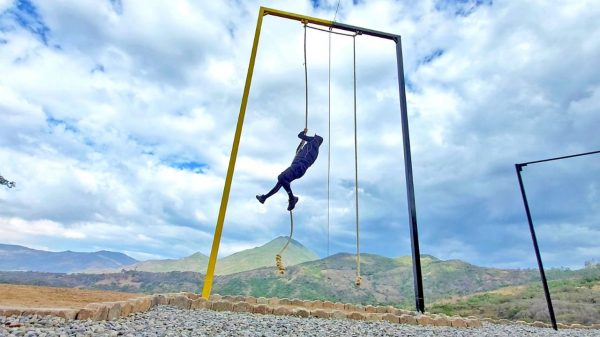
(410, 188)
(519, 168)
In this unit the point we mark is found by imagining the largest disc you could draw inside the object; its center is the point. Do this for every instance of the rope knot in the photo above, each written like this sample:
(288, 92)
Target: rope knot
(279, 264)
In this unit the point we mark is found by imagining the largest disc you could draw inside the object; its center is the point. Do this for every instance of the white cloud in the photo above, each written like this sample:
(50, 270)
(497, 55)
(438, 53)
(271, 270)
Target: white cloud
(5, 4)
(19, 231)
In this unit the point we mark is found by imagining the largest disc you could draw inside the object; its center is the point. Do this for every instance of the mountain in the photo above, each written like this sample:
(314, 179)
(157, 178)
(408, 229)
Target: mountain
(195, 262)
(13, 257)
(248, 259)
(264, 256)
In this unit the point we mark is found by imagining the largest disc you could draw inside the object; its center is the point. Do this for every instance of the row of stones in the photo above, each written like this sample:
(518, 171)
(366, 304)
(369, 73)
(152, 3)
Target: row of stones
(262, 305)
(539, 324)
(368, 310)
(318, 309)
(316, 304)
(274, 306)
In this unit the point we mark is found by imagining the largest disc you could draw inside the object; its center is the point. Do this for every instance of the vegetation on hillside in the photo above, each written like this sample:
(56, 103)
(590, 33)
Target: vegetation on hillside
(575, 296)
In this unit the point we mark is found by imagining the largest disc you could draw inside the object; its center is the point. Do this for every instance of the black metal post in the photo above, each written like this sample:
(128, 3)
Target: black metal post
(410, 188)
(519, 168)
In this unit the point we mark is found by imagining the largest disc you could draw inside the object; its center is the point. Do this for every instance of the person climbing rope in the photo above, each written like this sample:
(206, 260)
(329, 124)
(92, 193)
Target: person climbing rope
(306, 154)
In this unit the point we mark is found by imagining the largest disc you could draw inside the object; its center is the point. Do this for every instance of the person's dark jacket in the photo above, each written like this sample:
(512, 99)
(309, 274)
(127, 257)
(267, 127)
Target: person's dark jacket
(307, 155)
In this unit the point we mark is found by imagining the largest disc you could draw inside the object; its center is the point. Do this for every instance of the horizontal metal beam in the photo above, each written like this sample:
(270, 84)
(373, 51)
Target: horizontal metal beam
(557, 158)
(297, 17)
(366, 31)
(329, 24)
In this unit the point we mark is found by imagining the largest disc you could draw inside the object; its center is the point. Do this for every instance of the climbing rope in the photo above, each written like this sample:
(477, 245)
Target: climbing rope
(278, 260)
(329, 125)
(358, 278)
(302, 142)
(305, 82)
(328, 133)
(336, 10)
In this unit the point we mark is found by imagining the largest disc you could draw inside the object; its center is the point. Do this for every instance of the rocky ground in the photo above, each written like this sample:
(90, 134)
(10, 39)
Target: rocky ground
(165, 320)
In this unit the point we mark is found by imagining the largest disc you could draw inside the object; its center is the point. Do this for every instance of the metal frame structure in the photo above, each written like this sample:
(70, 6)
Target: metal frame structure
(519, 168)
(412, 213)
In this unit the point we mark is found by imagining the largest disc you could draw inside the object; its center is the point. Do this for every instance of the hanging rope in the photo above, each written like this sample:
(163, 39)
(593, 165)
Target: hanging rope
(358, 278)
(302, 142)
(336, 11)
(278, 260)
(328, 135)
(305, 82)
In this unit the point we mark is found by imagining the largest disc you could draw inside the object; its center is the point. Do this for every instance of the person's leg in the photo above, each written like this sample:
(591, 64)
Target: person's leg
(274, 190)
(292, 200)
(285, 180)
(282, 179)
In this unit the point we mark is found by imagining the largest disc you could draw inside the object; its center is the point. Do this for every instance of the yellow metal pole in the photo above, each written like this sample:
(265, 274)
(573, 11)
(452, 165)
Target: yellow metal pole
(234, 150)
(297, 17)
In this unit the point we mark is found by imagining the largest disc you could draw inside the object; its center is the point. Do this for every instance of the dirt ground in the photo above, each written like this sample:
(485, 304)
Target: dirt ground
(25, 296)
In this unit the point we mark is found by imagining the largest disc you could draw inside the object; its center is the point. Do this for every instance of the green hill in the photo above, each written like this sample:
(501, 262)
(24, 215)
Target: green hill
(195, 262)
(264, 256)
(575, 297)
(248, 259)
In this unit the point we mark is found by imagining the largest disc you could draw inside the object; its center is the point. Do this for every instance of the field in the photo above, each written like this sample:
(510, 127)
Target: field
(25, 296)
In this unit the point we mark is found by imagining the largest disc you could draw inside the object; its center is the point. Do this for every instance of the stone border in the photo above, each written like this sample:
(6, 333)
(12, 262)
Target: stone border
(273, 306)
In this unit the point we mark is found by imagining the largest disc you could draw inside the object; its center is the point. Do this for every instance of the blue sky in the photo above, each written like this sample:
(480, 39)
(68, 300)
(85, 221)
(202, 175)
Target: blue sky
(118, 118)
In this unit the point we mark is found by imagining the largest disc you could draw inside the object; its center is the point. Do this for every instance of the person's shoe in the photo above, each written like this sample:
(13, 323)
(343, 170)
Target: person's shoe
(261, 198)
(292, 203)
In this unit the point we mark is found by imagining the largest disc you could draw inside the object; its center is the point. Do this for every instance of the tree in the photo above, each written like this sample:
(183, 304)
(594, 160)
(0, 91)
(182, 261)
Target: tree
(9, 184)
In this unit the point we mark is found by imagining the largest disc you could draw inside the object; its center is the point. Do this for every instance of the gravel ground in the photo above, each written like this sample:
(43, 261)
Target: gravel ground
(169, 321)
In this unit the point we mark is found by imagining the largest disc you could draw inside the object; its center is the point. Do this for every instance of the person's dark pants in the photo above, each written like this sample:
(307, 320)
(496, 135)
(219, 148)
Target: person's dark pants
(285, 178)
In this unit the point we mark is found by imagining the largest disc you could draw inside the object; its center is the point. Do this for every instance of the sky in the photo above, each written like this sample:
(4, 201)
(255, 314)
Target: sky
(117, 119)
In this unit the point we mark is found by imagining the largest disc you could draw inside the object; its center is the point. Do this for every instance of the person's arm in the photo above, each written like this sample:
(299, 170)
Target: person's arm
(302, 135)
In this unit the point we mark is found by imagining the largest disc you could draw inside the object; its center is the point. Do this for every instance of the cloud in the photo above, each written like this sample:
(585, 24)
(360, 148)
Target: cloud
(118, 120)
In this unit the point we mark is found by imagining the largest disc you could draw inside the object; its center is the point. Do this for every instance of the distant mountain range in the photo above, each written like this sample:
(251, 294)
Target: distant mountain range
(19, 258)
(13, 257)
(451, 286)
